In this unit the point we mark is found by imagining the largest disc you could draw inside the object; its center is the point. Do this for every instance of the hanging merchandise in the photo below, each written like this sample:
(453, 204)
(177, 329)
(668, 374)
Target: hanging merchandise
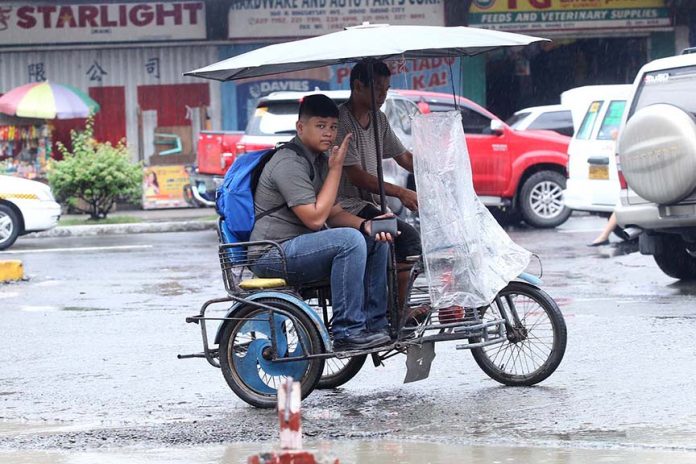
(24, 149)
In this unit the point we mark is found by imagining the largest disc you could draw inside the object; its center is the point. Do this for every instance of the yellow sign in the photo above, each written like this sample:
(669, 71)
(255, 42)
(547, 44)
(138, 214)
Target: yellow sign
(163, 187)
(549, 15)
(505, 6)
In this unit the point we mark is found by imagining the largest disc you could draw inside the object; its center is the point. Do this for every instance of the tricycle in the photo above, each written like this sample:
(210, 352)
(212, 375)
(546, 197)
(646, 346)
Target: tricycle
(272, 330)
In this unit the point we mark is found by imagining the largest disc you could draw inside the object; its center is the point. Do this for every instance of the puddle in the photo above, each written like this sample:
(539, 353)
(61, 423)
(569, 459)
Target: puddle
(359, 452)
(169, 289)
(83, 308)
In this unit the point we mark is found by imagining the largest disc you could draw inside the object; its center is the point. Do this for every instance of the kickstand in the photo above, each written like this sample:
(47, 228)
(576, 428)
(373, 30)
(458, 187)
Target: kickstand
(376, 360)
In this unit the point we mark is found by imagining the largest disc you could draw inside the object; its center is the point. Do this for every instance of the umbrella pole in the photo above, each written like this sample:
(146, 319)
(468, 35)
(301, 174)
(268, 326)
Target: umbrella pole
(392, 288)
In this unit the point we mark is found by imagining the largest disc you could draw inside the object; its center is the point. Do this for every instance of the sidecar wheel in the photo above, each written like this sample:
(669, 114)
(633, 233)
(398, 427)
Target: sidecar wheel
(246, 352)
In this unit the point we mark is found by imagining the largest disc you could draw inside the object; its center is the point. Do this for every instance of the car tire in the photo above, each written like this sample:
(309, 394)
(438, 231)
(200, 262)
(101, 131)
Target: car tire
(9, 227)
(674, 260)
(541, 200)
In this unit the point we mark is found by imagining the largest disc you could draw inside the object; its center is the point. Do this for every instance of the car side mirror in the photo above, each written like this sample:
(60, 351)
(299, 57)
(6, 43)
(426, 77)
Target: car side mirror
(423, 107)
(497, 127)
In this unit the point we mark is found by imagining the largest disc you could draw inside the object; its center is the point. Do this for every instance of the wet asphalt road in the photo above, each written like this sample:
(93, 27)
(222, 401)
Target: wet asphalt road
(89, 344)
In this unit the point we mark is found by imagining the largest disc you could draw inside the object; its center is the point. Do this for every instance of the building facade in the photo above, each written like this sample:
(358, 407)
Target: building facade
(129, 56)
(593, 42)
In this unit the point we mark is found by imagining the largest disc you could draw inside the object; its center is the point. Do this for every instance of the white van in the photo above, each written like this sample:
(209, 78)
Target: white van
(593, 182)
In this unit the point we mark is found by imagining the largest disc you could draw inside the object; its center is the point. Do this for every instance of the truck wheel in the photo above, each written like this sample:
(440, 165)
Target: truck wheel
(674, 260)
(9, 227)
(541, 200)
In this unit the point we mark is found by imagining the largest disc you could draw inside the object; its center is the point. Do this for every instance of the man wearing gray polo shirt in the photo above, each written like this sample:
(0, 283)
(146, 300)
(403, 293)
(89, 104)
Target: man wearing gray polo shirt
(306, 181)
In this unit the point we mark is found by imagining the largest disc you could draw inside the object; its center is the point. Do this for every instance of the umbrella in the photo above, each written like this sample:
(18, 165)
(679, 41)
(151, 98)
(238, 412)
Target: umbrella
(48, 100)
(353, 44)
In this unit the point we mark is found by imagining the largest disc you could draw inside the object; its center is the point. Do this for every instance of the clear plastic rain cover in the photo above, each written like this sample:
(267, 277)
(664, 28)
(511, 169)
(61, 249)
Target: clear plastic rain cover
(468, 257)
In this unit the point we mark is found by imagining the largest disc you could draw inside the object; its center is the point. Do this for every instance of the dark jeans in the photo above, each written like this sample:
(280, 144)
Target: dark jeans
(408, 243)
(357, 266)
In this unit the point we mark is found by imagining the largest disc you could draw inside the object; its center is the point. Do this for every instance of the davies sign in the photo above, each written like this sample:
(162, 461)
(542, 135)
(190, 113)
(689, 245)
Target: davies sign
(115, 22)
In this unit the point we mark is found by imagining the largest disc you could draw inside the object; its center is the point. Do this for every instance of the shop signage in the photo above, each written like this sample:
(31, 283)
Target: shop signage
(259, 19)
(564, 15)
(31, 23)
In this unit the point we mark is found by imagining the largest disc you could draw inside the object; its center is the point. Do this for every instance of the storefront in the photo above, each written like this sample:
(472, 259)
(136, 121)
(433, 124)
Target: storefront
(253, 24)
(129, 57)
(593, 42)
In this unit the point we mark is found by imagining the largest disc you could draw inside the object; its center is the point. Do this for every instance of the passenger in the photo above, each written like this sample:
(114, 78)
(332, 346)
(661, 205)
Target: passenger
(307, 184)
(359, 191)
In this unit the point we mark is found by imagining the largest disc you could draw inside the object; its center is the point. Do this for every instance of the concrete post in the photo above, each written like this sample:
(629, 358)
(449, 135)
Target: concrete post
(289, 415)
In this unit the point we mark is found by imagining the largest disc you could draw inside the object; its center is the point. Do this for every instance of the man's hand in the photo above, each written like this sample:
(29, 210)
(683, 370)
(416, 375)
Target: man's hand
(409, 198)
(381, 237)
(338, 154)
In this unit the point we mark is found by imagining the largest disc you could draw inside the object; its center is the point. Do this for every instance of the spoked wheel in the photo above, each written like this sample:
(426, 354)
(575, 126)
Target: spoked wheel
(535, 345)
(246, 352)
(339, 371)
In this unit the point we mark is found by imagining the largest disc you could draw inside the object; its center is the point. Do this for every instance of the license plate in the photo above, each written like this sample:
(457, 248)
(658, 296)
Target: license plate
(599, 172)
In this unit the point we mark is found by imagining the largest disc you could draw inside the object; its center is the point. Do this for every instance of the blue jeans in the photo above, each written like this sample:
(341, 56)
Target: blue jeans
(357, 266)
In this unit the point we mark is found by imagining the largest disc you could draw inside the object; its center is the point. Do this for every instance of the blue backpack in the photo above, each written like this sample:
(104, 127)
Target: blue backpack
(234, 198)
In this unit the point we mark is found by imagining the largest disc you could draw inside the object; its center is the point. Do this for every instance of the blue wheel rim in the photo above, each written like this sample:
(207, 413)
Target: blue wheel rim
(250, 341)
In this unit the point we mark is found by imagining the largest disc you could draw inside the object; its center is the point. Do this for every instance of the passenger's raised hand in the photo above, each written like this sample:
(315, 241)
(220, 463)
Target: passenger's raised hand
(338, 154)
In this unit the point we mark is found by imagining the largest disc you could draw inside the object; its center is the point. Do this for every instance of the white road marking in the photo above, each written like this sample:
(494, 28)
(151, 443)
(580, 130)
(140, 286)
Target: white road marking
(54, 250)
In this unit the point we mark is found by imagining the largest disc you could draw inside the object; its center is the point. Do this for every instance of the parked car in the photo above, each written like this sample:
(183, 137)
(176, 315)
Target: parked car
(555, 118)
(514, 171)
(521, 174)
(593, 180)
(25, 206)
(657, 157)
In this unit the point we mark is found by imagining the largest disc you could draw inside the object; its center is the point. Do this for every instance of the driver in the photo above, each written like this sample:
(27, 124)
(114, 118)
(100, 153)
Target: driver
(359, 191)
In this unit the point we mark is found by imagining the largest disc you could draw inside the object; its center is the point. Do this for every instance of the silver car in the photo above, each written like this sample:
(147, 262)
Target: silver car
(657, 158)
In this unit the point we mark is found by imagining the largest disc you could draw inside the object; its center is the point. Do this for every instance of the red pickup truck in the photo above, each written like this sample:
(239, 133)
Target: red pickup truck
(518, 174)
(215, 153)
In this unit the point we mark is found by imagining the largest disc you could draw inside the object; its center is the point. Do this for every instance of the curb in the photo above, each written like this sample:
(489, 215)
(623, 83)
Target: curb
(115, 229)
(11, 269)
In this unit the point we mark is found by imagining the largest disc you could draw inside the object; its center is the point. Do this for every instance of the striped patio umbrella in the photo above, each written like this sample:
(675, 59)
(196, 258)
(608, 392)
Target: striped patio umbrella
(48, 100)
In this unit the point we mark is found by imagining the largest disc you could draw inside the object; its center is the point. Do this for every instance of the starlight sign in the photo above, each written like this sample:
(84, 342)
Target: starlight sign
(30, 23)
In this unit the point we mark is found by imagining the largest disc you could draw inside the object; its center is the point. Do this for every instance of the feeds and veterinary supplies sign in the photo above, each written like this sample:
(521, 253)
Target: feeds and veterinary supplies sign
(256, 19)
(550, 15)
(29, 23)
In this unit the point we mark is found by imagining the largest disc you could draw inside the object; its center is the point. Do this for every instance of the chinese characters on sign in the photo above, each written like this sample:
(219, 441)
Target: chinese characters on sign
(30, 23)
(294, 18)
(152, 66)
(37, 72)
(96, 72)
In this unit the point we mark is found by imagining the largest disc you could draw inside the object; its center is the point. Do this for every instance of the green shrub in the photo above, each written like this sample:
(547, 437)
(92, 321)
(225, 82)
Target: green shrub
(95, 174)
